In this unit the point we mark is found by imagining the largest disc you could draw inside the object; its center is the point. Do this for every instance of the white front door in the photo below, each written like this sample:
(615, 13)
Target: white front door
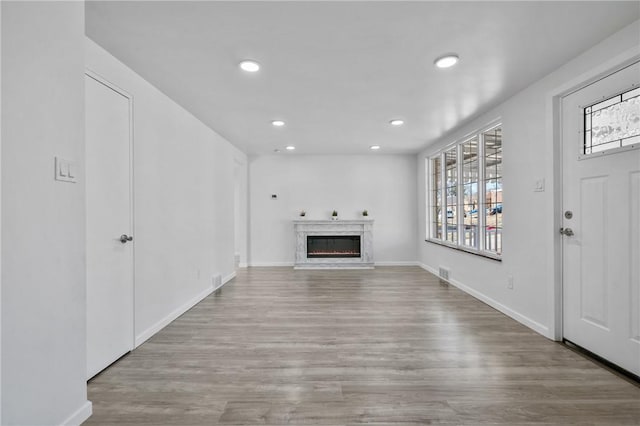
(601, 217)
(108, 213)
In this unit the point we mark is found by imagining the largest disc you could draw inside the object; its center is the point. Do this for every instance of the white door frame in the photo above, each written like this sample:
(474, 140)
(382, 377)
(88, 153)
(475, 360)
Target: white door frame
(554, 168)
(97, 77)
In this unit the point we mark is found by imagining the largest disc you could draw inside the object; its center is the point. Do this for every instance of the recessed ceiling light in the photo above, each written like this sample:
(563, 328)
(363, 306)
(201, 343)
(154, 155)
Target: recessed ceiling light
(249, 66)
(374, 147)
(290, 148)
(396, 122)
(278, 123)
(446, 61)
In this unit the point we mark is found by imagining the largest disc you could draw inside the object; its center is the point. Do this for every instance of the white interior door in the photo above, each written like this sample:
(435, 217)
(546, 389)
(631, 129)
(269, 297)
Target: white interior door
(601, 242)
(108, 213)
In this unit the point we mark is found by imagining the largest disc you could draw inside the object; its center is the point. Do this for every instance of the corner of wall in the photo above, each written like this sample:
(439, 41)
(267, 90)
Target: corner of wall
(80, 415)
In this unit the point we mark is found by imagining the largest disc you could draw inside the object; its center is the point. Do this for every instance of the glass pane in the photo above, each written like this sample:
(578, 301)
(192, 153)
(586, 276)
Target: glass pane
(605, 104)
(612, 121)
(631, 141)
(493, 240)
(605, 146)
(436, 198)
(631, 94)
(493, 190)
(470, 197)
(451, 173)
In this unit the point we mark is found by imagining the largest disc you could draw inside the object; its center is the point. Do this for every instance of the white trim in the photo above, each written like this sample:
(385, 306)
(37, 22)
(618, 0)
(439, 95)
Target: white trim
(379, 263)
(554, 168)
(397, 263)
(149, 332)
(522, 319)
(226, 280)
(80, 415)
(261, 264)
(243, 265)
(332, 266)
(1, 219)
(424, 266)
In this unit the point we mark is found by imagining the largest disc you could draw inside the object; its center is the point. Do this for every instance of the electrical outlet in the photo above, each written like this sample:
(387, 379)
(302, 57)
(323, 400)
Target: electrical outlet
(510, 282)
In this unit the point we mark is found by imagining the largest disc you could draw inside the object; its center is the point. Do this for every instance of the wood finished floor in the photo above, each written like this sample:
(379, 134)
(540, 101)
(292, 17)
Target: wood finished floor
(385, 346)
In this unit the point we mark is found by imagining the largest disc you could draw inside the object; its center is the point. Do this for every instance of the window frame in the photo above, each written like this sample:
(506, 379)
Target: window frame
(457, 145)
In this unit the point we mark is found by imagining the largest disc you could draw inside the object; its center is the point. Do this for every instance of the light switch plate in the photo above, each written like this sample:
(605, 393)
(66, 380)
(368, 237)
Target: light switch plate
(66, 170)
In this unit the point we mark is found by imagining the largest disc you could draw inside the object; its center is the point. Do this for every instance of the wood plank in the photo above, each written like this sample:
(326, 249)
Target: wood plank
(385, 346)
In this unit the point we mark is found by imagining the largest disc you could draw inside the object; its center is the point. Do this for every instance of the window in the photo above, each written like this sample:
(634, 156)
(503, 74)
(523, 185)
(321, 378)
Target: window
(612, 123)
(493, 190)
(451, 191)
(470, 182)
(465, 188)
(436, 198)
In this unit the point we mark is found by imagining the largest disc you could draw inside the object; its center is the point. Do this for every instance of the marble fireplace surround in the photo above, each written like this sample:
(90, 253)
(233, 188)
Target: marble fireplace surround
(308, 227)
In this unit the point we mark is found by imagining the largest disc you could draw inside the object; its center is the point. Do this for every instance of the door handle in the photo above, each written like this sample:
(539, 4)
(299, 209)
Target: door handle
(567, 232)
(124, 238)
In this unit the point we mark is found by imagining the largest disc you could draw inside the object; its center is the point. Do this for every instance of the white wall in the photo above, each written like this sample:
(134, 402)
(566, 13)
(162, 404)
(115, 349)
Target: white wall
(530, 231)
(241, 205)
(0, 213)
(43, 239)
(183, 197)
(385, 185)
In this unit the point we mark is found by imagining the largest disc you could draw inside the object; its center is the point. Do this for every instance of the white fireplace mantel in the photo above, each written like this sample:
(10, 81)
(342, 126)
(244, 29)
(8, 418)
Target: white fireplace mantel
(309, 227)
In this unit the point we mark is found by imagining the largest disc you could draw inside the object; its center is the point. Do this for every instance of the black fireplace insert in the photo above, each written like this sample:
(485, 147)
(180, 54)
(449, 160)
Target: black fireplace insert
(331, 246)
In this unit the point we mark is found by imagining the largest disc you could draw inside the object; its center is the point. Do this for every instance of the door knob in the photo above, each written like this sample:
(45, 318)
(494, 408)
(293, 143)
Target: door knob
(566, 231)
(124, 238)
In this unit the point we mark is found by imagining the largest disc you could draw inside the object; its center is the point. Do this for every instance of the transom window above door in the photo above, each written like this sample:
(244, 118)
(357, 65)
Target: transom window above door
(613, 123)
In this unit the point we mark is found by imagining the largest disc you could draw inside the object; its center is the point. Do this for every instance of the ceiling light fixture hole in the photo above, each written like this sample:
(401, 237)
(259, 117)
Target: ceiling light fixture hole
(446, 61)
(249, 65)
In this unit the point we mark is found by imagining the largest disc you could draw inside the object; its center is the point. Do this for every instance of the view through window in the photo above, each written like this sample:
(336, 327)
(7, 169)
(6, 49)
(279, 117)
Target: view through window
(466, 194)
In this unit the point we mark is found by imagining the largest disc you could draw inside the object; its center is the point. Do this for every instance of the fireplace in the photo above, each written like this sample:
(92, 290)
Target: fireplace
(333, 246)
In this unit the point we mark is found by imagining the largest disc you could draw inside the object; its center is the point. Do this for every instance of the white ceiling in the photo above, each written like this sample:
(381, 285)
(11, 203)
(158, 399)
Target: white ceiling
(337, 72)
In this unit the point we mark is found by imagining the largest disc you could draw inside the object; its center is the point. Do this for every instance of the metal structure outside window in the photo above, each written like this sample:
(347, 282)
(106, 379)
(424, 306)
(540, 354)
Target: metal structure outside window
(465, 186)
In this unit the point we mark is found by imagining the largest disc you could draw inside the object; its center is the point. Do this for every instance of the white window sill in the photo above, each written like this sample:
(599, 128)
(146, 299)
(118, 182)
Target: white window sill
(486, 254)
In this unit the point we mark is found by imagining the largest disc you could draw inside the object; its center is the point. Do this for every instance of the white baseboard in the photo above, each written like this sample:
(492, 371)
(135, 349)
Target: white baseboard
(383, 263)
(424, 266)
(243, 265)
(258, 264)
(145, 335)
(397, 263)
(80, 415)
(226, 280)
(522, 319)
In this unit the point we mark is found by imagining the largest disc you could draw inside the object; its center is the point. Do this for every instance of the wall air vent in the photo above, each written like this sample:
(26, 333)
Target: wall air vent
(443, 273)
